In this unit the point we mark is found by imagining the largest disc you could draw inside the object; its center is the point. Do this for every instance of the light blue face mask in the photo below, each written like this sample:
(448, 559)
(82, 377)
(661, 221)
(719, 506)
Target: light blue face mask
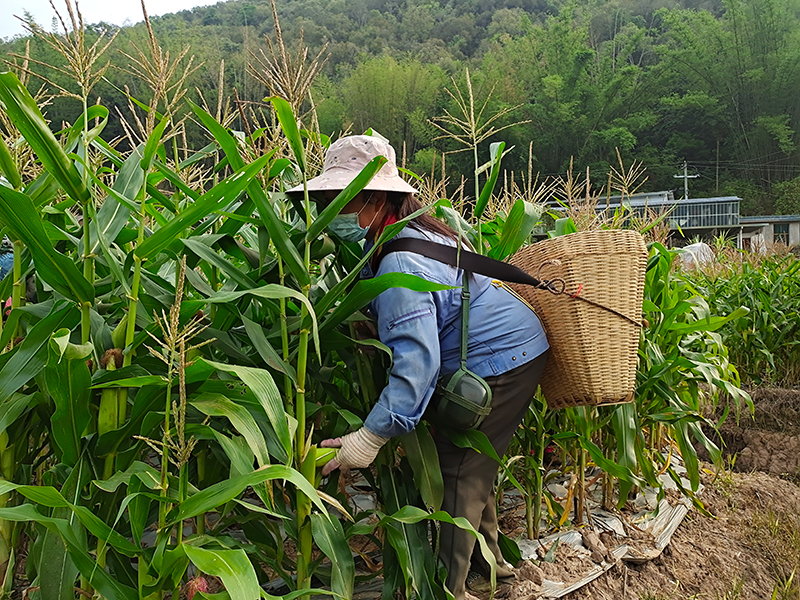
(347, 227)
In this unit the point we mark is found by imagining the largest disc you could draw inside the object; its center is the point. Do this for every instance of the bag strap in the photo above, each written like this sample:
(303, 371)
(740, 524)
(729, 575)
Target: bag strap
(464, 317)
(469, 261)
(497, 269)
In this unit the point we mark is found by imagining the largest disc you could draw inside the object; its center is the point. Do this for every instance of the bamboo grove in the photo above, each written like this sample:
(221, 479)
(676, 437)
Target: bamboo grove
(180, 334)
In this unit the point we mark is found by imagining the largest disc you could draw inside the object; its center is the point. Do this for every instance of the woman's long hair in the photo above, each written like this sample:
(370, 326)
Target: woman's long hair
(405, 204)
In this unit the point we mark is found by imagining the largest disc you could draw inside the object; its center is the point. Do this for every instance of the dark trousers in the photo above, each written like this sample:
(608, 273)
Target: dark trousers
(469, 476)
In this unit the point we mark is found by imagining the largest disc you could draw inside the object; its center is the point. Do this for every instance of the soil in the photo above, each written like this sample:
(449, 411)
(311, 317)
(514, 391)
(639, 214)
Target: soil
(747, 549)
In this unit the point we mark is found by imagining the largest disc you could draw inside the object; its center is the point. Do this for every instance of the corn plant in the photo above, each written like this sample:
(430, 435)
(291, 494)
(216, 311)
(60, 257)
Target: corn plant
(763, 343)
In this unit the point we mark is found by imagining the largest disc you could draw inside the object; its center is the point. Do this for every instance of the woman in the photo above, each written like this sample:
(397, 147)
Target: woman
(506, 347)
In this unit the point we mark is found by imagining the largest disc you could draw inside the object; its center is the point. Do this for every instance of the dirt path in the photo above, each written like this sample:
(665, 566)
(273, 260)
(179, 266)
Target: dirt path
(751, 545)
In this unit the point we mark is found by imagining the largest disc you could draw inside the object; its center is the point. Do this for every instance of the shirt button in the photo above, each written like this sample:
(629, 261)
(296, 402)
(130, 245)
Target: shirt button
(513, 358)
(524, 354)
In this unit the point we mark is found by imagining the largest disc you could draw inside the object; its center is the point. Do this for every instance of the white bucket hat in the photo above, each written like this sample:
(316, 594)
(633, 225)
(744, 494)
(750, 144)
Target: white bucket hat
(346, 158)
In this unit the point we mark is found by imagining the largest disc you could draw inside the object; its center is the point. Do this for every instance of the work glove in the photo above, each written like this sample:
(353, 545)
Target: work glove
(357, 450)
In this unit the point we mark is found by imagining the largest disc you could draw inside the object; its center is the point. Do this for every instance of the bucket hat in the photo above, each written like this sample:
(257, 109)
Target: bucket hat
(346, 158)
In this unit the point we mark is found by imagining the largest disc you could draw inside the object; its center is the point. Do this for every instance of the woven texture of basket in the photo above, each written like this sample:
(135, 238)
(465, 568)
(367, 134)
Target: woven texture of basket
(593, 352)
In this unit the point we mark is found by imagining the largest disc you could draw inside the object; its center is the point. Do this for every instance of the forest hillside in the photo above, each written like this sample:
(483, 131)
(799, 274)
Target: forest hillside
(713, 83)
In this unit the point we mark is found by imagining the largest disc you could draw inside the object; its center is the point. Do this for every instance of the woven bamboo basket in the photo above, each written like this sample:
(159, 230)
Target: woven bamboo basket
(593, 351)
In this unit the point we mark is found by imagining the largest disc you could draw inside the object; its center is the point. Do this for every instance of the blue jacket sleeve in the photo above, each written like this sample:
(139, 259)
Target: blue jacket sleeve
(407, 324)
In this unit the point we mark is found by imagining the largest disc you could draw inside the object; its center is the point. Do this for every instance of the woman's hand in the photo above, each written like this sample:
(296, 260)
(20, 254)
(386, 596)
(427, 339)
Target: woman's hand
(357, 450)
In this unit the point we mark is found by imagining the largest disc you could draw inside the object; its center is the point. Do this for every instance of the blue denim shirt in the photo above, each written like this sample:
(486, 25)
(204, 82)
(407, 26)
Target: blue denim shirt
(423, 331)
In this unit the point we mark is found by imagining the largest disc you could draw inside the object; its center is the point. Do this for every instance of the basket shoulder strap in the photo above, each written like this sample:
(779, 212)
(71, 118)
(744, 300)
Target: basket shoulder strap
(462, 259)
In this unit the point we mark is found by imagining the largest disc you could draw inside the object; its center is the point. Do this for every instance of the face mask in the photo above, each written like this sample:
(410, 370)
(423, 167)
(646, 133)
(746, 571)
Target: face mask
(347, 227)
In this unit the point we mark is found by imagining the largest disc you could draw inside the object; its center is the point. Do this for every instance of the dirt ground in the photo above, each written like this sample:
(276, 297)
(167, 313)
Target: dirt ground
(750, 548)
(742, 553)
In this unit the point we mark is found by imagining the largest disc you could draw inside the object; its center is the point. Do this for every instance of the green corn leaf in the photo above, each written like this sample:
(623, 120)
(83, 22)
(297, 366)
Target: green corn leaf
(25, 114)
(18, 213)
(31, 355)
(56, 571)
(286, 249)
(329, 536)
(625, 431)
(8, 167)
(710, 323)
(213, 258)
(496, 155)
(86, 564)
(517, 230)
(220, 195)
(137, 470)
(217, 405)
(334, 294)
(238, 452)
(289, 126)
(346, 195)
(366, 290)
(265, 350)
(13, 408)
(420, 450)
(68, 383)
(564, 226)
(478, 441)
(263, 387)
(175, 180)
(152, 145)
(75, 132)
(96, 226)
(411, 550)
(413, 514)
(267, 212)
(43, 189)
(272, 291)
(509, 548)
(232, 566)
(225, 491)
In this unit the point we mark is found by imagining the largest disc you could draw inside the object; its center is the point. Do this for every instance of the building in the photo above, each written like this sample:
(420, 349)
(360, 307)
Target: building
(707, 217)
(760, 232)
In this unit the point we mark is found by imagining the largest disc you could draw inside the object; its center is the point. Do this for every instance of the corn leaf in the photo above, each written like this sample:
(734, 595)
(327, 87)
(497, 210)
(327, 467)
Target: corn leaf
(8, 167)
(25, 114)
(18, 213)
(265, 350)
(232, 566)
(86, 564)
(225, 491)
(289, 126)
(220, 195)
(517, 230)
(269, 217)
(330, 538)
(424, 460)
(495, 154)
(263, 387)
(68, 383)
(366, 290)
(217, 405)
(207, 254)
(271, 291)
(31, 356)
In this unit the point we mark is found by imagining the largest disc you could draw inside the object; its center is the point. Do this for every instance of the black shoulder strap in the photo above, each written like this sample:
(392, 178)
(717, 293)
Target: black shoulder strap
(464, 259)
(497, 269)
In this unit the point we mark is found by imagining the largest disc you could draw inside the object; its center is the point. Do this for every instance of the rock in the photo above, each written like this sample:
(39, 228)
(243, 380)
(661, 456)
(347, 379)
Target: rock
(529, 571)
(593, 543)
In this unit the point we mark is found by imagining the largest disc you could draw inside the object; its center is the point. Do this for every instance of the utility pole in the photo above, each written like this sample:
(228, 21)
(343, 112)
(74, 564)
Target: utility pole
(686, 177)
